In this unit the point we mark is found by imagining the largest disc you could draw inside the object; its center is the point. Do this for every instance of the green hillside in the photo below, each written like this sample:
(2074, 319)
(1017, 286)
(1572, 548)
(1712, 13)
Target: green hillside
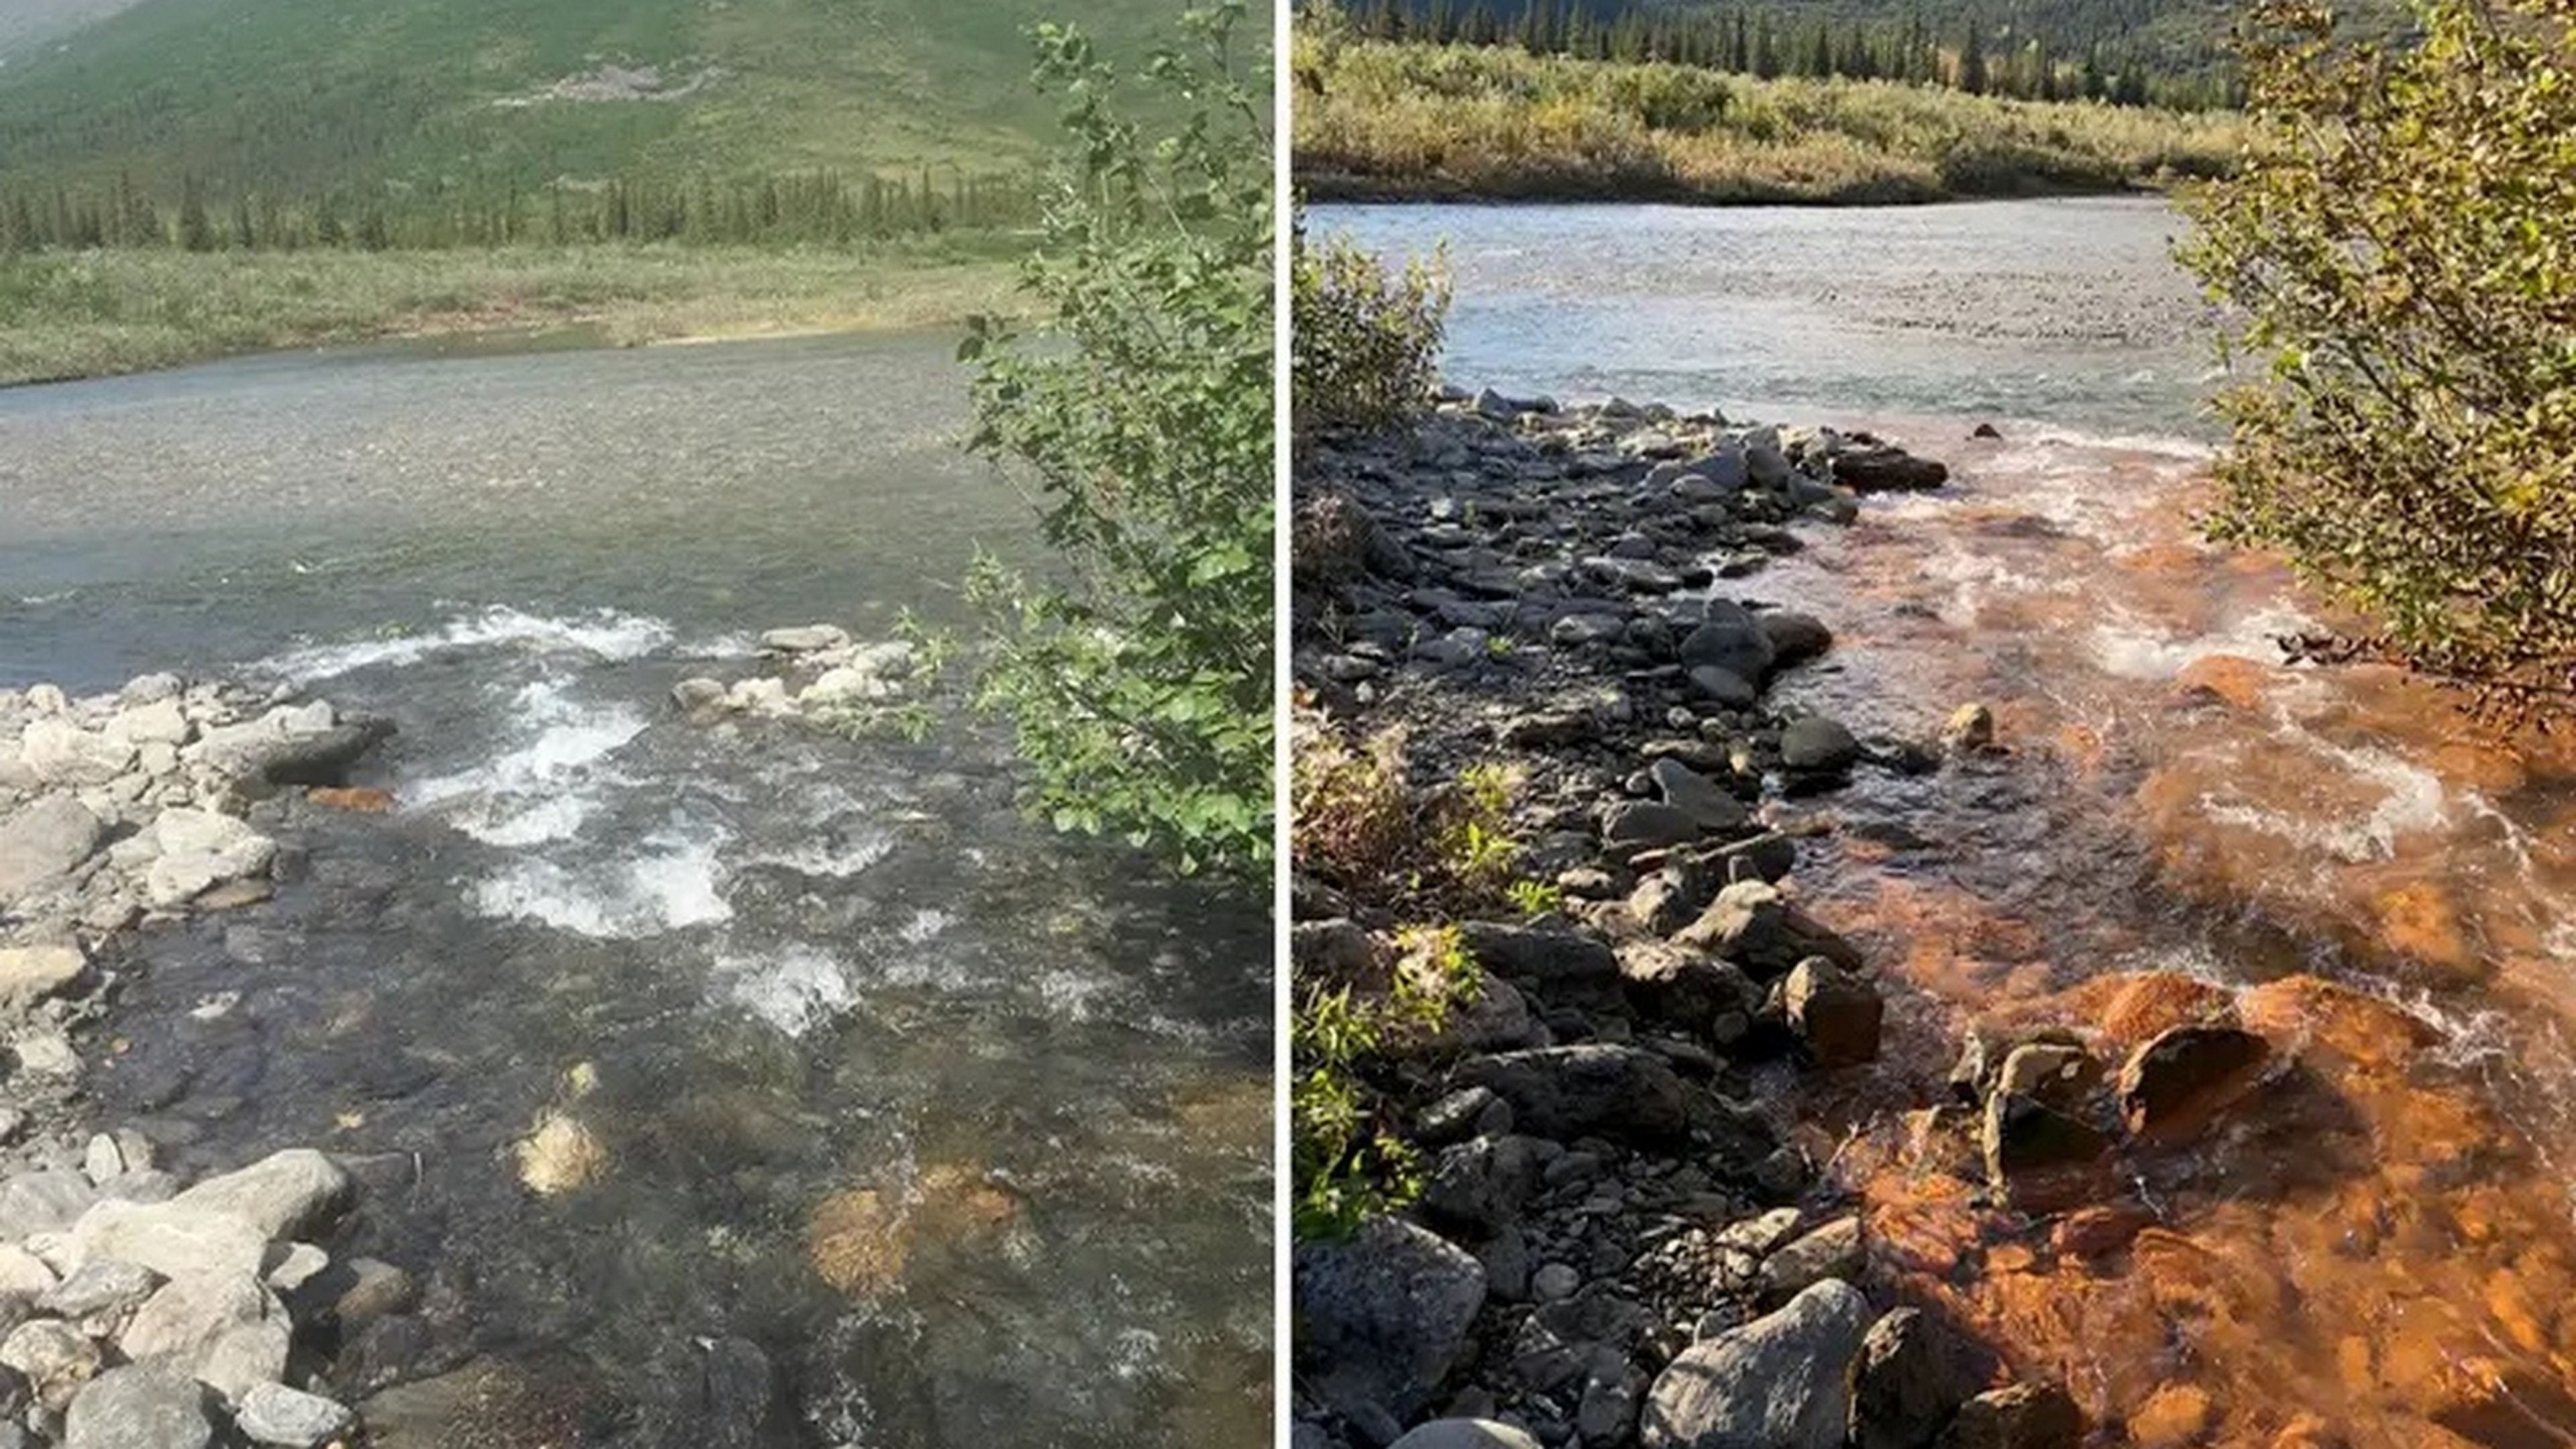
(473, 97)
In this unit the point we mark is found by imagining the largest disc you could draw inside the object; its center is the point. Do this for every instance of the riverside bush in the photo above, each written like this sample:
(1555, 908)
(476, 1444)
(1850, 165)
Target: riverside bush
(2401, 239)
(1364, 341)
(1137, 673)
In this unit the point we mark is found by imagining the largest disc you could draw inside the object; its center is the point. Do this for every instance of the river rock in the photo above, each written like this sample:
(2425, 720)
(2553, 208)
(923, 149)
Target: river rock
(1755, 925)
(1737, 645)
(1835, 1250)
(140, 1406)
(2040, 1158)
(698, 696)
(60, 752)
(1913, 1375)
(170, 1238)
(43, 1202)
(1480, 1184)
(23, 1274)
(284, 1195)
(276, 1414)
(1722, 687)
(44, 841)
(1836, 1013)
(1795, 637)
(55, 1358)
(1685, 988)
(160, 722)
(1565, 968)
(1709, 805)
(1640, 825)
(2025, 1416)
(1583, 1091)
(29, 974)
(1465, 1434)
(1780, 1382)
(185, 1317)
(805, 639)
(1817, 746)
(102, 1290)
(290, 745)
(1382, 1316)
(1969, 730)
(1885, 469)
(2174, 1083)
(2058, 1073)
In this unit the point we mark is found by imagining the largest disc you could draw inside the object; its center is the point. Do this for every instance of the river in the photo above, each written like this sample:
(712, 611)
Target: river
(2380, 1251)
(793, 985)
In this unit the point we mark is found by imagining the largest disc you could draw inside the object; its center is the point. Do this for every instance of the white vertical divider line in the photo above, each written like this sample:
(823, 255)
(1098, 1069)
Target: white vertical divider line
(1280, 403)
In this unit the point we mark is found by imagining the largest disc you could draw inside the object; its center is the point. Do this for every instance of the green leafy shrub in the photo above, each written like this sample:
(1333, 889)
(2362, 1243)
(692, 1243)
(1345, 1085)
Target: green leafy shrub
(2399, 239)
(1365, 342)
(1138, 674)
(1360, 825)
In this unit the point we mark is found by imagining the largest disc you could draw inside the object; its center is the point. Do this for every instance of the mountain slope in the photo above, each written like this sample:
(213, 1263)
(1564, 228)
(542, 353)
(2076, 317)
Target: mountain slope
(467, 96)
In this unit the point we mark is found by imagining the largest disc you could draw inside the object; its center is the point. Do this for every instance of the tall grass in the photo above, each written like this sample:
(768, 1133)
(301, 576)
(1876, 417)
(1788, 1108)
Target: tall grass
(93, 313)
(1411, 120)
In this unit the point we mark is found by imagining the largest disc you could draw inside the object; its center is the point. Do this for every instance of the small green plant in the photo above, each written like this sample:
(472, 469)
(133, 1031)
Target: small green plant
(1476, 847)
(1365, 341)
(1536, 898)
(1348, 1162)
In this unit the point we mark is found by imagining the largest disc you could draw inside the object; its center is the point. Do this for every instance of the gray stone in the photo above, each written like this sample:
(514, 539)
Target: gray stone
(1554, 1282)
(1583, 1091)
(1685, 988)
(1566, 968)
(1836, 1013)
(276, 1414)
(1795, 638)
(2060, 1074)
(1755, 925)
(1708, 804)
(42, 1202)
(1817, 746)
(160, 722)
(805, 639)
(60, 752)
(1780, 1382)
(249, 1354)
(139, 1406)
(1383, 1315)
(170, 1238)
(45, 841)
(185, 1317)
(697, 696)
(285, 1195)
(1835, 1250)
(1740, 648)
(1913, 1376)
(1722, 687)
(1465, 1434)
(29, 974)
(1635, 825)
(101, 1289)
(1480, 1184)
(55, 1357)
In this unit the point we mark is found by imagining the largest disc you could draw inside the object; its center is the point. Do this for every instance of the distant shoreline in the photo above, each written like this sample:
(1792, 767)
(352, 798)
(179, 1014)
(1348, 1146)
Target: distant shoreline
(1346, 188)
(69, 317)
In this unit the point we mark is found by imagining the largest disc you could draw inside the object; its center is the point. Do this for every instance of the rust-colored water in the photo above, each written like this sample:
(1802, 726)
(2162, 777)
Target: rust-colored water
(2377, 1250)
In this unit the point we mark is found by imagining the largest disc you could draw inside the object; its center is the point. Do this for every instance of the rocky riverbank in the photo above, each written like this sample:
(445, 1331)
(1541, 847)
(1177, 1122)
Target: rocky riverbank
(154, 1295)
(1621, 1239)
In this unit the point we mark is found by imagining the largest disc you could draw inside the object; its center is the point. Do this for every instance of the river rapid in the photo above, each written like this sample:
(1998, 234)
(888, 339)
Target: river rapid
(965, 1125)
(2380, 1250)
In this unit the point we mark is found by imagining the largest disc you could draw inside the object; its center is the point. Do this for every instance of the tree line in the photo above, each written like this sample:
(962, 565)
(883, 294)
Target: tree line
(1969, 56)
(782, 209)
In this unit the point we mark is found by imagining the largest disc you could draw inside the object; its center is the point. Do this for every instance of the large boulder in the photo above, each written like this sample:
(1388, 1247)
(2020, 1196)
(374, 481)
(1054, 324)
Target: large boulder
(1382, 1316)
(1836, 1013)
(1780, 1382)
(1913, 1375)
(170, 1238)
(44, 841)
(1755, 925)
(290, 745)
(1566, 969)
(1592, 1090)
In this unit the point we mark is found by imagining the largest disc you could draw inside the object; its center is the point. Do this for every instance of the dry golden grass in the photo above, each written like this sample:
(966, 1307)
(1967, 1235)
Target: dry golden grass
(1406, 120)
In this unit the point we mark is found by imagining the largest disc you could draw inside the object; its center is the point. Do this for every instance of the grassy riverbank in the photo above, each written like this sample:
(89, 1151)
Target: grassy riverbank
(94, 313)
(1404, 120)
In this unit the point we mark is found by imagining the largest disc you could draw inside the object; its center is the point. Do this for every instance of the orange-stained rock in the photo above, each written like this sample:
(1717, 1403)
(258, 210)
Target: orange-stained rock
(2365, 1031)
(357, 801)
(856, 1242)
(2098, 1231)
(2421, 923)
(2172, 1417)
(2229, 679)
(2136, 1008)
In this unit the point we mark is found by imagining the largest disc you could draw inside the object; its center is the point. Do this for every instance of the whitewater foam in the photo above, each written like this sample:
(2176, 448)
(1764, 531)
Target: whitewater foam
(672, 882)
(794, 989)
(602, 634)
(546, 787)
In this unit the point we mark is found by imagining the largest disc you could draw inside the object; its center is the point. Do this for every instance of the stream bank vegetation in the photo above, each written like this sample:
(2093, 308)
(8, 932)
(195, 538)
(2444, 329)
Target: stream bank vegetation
(2399, 241)
(1389, 119)
(1135, 668)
